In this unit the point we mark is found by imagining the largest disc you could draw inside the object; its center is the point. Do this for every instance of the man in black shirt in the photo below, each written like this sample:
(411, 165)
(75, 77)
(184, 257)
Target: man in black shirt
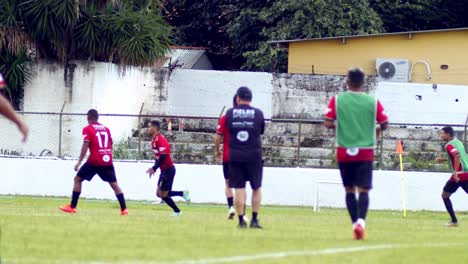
(245, 125)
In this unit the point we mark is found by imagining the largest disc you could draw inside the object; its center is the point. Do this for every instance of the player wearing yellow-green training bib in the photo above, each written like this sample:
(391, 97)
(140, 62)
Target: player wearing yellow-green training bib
(354, 115)
(458, 162)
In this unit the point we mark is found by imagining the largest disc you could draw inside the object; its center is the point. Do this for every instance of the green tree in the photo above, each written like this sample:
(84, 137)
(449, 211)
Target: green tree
(237, 32)
(413, 15)
(122, 32)
(306, 19)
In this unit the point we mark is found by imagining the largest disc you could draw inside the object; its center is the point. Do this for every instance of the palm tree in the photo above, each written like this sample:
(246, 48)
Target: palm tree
(122, 32)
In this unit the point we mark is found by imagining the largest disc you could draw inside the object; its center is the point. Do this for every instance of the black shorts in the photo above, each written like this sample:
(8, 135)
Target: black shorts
(226, 170)
(452, 186)
(358, 173)
(241, 172)
(106, 173)
(166, 179)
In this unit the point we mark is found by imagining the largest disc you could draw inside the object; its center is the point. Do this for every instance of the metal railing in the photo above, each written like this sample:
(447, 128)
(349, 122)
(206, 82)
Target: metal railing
(58, 134)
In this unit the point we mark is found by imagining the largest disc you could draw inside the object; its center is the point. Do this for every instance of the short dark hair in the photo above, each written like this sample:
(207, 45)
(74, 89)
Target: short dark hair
(356, 77)
(93, 114)
(234, 101)
(448, 130)
(156, 123)
(244, 93)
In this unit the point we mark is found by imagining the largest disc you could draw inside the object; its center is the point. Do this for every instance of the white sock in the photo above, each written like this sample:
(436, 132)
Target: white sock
(362, 222)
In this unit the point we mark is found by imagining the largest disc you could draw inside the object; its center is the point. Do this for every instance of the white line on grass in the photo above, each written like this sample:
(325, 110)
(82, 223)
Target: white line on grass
(263, 256)
(327, 251)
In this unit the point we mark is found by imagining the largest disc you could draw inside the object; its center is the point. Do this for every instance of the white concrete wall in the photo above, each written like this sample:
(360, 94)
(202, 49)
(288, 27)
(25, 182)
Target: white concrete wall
(282, 186)
(93, 85)
(420, 103)
(204, 93)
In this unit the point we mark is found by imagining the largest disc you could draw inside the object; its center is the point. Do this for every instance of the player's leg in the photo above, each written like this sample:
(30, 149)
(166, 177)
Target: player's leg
(120, 197)
(347, 178)
(184, 194)
(364, 184)
(255, 175)
(165, 182)
(449, 188)
(228, 191)
(86, 172)
(363, 181)
(237, 181)
(107, 174)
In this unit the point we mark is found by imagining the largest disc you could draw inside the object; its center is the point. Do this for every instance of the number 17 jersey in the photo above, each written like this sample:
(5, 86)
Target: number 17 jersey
(100, 144)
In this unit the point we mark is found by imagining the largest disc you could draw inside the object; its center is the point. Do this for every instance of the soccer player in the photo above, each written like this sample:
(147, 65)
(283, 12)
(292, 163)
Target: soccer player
(97, 138)
(222, 134)
(354, 114)
(7, 110)
(163, 161)
(245, 125)
(458, 162)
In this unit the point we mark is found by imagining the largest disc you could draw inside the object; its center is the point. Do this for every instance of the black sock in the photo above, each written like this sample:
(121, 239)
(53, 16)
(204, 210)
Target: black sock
(230, 201)
(363, 205)
(121, 199)
(176, 193)
(168, 200)
(449, 207)
(254, 216)
(75, 197)
(351, 204)
(241, 218)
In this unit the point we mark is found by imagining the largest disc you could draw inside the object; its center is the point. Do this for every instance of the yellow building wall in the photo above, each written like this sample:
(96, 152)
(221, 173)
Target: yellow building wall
(437, 48)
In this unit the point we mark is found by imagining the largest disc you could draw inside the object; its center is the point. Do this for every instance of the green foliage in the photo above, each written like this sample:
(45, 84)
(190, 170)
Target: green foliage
(240, 30)
(17, 74)
(409, 15)
(122, 32)
(236, 32)
(123, 151)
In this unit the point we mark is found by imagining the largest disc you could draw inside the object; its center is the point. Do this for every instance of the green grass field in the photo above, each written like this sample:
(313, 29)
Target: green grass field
(33, 230)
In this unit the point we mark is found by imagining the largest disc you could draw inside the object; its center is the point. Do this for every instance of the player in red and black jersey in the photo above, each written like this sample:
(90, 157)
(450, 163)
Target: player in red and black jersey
(7, 110)
(97, 138)
(458, 161)
(163, 161)
(223, 134)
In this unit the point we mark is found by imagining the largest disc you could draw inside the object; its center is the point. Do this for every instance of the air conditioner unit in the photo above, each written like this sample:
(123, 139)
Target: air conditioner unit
(392, 70)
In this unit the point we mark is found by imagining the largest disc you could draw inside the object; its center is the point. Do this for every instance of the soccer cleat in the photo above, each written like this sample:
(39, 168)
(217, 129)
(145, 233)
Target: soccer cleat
(124, 212)
(451, 224)
(232, 213)
(242, 225)
(68, 209)
(359, 232)
(187, 197)
(255, 224)
(176, 214)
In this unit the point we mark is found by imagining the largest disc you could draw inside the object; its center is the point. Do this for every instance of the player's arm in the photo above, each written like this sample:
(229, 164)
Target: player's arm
(84, 150)
(7, 110)
(456, 166)
(330, 124)
(441, 159)
(219, 136)
(218, 139)
(262, 124)
(330, 114)
(157, 164)
(382, 117)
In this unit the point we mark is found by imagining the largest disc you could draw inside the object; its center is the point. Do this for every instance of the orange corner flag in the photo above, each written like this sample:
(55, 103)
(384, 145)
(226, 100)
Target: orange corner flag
(399, 147)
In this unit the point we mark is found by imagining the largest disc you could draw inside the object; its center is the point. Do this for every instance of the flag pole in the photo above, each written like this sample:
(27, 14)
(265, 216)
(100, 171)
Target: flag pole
(399, 151)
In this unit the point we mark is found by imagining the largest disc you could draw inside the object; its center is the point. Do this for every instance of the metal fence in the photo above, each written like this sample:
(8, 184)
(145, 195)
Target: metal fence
(58, 135)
